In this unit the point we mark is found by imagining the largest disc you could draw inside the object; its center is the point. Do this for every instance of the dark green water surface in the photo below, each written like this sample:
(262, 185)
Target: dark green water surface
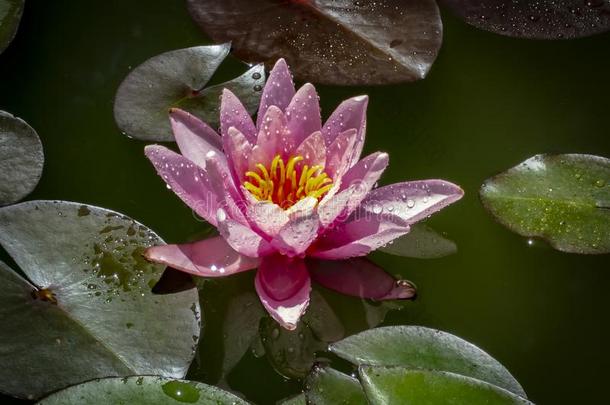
(488, 103)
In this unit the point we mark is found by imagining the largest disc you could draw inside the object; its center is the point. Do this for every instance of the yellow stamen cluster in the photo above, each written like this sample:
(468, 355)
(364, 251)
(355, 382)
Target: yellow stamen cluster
(287, 183)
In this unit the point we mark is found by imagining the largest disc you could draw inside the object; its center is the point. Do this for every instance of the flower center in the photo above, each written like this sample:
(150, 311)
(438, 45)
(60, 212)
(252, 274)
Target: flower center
(287, 183)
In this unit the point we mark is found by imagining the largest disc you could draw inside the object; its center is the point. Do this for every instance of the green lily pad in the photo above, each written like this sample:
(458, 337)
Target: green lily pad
(85, 309)
(422, 242)
(21, 158)
(399, 385)
(10, 15)
(564, 199)
(424, 348)
(177, 79)
(145, 390)
(327, 386)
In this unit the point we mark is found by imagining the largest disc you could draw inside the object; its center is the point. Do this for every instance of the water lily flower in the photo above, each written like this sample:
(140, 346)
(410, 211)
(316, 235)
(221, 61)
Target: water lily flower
(286, 194)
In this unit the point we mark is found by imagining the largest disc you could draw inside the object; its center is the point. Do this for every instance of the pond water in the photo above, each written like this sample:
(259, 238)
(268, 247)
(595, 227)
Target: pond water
(488, 103)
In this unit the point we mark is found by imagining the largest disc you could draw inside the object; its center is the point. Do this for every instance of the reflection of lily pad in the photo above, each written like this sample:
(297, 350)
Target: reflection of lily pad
(398, 385)
(21, 158)
(178, 79)
(293, 353)
(564, 199)
(540, 19)
(419, 347)
(10, 15)
(421, 242)
(346, 42)
(142, 390)
(86, 310)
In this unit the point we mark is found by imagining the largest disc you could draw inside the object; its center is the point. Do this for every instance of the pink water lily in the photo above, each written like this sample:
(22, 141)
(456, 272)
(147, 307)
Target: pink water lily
(287, 189)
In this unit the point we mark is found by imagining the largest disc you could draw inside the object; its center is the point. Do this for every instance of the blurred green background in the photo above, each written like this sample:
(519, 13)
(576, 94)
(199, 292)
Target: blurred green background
(488, 103)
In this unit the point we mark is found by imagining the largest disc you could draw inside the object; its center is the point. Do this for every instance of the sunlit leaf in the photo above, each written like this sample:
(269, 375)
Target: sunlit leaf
(420, 347)
(399, 385)
(178, 79)
(85, 310)
(325, 386)
(421, 242)
(541, 19)
(21, 158)
(10, 15)
(564, 199)
(328, 41)
(146, 390)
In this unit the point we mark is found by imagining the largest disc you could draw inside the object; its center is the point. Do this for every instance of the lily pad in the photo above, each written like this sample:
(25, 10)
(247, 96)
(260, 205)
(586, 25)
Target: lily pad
(564, 199)
(21, 158)
(10, 15)
(541, 19)
(85, 310)
(422, 242)
(145, 390)
(178, 79)
(424, 348)
(327, 41)
(399, 385)
(327, 386)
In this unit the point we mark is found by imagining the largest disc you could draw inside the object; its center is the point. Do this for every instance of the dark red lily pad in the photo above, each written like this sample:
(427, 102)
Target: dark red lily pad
(546, 19)
(345, 42)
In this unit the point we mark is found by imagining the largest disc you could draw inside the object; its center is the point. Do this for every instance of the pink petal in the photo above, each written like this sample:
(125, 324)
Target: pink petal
(349, 114)
(272, 138)
(283, 285)
(341, 154)
(414, 200)
(300, 232)
(189, 181)
(207, 258)
(223, 185)
(359, 277)
(303, 113)
(278, 90)
(355, 185)
(238, 151)
(234, 114)
(267, 216)
(194, 137)
(241, 238)
(358, 237)
(313, 150)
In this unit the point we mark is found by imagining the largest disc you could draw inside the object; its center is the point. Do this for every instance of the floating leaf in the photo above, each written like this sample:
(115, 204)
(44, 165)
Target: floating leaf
(327, 386)
(419, 347)
(147, 390)
(21, 158)
(324, 41)
(178, 79)
(86, 310)
(10, 15)
(564, 199)
(399, 385)
(541, 19)
(422, 242)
